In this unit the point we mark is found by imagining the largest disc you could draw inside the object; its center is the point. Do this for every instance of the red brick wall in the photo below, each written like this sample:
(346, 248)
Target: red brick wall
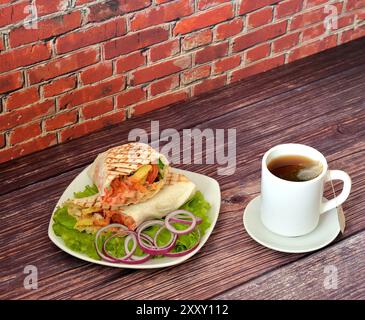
(90, 63)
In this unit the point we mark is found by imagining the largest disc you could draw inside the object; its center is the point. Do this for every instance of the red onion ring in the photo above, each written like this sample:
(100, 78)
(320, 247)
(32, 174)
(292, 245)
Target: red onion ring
(180, 219)
(185, 252)
(97, 236)
(174, 230)
(136, 259)
(156, 236)
(154, 249)
(125, 258)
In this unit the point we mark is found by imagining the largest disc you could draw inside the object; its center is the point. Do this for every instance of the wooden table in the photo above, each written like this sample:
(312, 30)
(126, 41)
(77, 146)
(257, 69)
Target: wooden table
(319, 101)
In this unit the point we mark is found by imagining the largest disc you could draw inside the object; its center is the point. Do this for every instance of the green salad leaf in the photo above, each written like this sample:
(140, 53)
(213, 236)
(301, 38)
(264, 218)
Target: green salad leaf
(87, 192)
(84, 242)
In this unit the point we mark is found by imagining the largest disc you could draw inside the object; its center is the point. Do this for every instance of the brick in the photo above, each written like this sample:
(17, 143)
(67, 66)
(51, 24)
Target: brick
(14, 13)
(288, 8)
(209, 85)
(25, 148)
(130, 97)
(96, 73)
(160, 102)
(91, 93)
(63, 65)
(135, 41)
(197, 39)
(24, 133)
(307, 18)
(313, 32)
(45, 7)
(2, 45)
(257, 53)
(312, 48)
(205, 4)
(285, 42)
(312, 3)
(211, 53)
(226, 64)
(24, 56)
(80, 2)
(6, 1)
(113, 8)
(160, 70)
(160, 14)
(258, 36)
(259, 18)
(258, 67)
(89, 126)
(229, 29)
(130, 62)
(164, 85)
(165, 50)
(195, 74)
(311, 17)
(59, 86)
(24, 115)
(350, 35)
(22, 98)
(345, 21)
(95, 34)
(246, 6)
(97, 108)
(355, 4)
(45, 29)
(61, 120)
(360, 16)
(11, 81)
(204, 19)
(2, 140)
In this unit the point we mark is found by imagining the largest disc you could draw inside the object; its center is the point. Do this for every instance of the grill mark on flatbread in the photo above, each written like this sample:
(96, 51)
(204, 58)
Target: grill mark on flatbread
(173, 178)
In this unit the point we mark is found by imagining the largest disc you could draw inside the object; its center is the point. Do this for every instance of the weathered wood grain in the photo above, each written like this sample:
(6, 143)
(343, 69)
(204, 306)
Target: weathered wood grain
(39, 166)
(328, 114)
(310, 276)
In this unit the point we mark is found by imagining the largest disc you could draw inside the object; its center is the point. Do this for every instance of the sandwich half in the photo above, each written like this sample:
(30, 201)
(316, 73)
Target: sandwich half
(91, 213)
(129, 174)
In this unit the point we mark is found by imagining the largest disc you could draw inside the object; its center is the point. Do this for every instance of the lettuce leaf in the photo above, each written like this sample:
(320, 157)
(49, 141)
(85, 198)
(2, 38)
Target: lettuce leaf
(87, 192)
(85, 243)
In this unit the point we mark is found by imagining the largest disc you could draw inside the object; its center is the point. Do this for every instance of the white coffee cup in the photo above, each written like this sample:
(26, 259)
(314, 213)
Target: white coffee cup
(291, 208)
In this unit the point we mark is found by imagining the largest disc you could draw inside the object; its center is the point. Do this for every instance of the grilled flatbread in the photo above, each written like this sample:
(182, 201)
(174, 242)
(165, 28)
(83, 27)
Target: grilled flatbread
(120, 174)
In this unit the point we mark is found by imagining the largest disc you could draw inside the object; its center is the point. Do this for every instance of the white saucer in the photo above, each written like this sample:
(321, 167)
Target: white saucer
(326, 231)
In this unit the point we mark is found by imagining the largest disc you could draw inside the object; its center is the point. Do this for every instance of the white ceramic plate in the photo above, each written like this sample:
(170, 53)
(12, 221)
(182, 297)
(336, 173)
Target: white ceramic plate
(209, 188)
(327, 230)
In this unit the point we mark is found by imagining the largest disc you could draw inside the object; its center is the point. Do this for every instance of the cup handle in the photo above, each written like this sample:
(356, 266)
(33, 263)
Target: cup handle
(340, 199)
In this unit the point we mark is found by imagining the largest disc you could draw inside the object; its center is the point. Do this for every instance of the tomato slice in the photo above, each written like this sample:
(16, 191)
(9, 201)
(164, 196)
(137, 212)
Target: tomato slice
(152, 175)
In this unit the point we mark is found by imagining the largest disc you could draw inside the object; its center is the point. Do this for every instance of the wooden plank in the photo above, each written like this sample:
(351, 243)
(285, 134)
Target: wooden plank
(310, 277)
(230, 258)
(75, 154)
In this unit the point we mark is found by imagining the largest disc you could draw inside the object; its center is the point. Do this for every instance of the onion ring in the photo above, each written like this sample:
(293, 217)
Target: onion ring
(179, 212)
(97, 236)
(154, 249)
(136, 259)
(185, 252)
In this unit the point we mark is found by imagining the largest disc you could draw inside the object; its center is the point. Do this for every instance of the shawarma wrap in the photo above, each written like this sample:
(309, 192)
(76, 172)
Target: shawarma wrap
(129, 174)
(91, 213)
